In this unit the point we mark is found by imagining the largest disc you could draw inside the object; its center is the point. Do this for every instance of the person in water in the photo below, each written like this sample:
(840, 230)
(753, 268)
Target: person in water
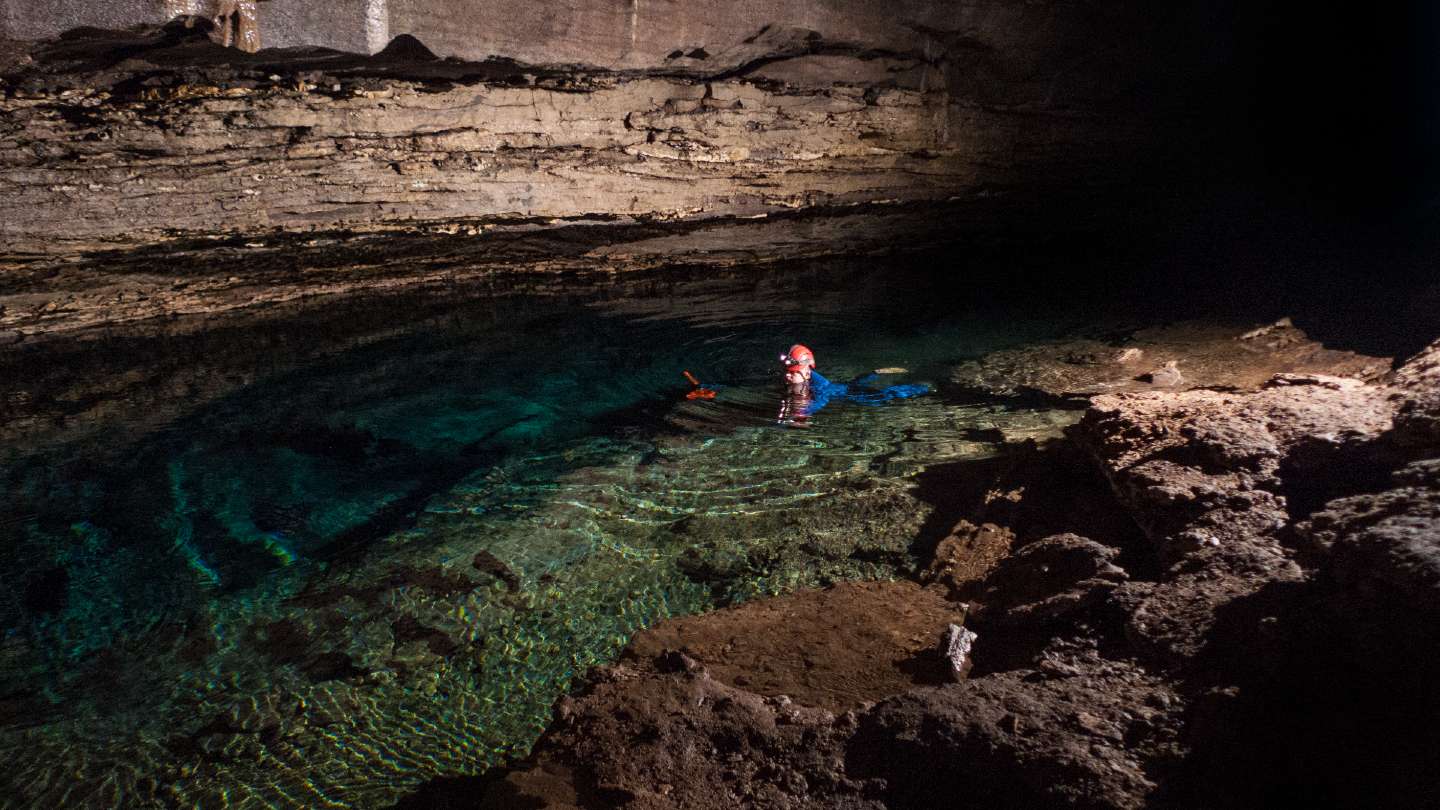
(807, 390)
(796, 406)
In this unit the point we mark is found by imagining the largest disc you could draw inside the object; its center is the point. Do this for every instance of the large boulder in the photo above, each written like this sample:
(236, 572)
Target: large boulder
(1205, 468)
(1050, 579)
(1383, 557)
(1417, 424)
(1015, 741)
(1213, 478)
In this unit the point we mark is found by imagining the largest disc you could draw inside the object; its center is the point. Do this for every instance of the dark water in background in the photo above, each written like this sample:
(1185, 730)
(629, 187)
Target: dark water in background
(320, 556)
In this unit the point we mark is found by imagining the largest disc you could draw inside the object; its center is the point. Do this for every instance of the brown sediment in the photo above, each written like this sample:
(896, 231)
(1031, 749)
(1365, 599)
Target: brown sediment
(833, 649)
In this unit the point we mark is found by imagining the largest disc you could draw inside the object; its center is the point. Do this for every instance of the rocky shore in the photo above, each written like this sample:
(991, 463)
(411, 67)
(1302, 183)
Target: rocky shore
(1220, 589)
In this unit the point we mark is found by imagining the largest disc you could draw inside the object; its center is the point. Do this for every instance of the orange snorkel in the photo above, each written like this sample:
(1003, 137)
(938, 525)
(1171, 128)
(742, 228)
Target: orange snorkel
(698, 392)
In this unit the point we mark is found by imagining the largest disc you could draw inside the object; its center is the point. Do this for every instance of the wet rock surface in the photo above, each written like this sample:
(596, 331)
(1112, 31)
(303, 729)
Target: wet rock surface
(1276, 592)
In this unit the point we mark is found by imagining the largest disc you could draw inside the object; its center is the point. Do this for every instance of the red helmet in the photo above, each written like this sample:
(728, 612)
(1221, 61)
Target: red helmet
(798, 355)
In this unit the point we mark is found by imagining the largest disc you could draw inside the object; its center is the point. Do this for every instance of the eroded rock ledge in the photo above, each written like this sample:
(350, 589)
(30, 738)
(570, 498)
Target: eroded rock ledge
(121, 139)
(1203, 597)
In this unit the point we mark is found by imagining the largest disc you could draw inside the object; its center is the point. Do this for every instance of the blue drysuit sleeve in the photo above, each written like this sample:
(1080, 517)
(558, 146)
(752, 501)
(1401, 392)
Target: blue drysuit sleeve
(823, 390)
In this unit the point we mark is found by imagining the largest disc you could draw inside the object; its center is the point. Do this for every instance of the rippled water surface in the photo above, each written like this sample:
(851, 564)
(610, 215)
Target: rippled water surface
(317, 558)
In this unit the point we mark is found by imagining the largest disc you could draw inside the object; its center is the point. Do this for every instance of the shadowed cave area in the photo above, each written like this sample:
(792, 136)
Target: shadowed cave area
(392, 414)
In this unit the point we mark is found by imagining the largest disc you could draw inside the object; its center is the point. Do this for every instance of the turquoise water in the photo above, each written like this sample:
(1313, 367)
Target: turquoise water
(317, 558)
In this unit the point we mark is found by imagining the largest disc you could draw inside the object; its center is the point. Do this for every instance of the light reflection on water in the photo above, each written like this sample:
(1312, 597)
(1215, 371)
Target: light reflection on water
(290, 583)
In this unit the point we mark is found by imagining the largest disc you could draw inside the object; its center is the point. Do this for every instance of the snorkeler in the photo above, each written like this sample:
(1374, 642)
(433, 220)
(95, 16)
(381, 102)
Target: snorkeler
(799, 365)
(796, 406)
(807, 390)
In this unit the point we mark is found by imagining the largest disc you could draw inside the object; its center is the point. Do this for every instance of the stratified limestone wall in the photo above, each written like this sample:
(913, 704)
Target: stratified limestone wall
(81, 168)
(237, 21)
(615, 34)
(769, 106)
(41, 19)
(1051, 53)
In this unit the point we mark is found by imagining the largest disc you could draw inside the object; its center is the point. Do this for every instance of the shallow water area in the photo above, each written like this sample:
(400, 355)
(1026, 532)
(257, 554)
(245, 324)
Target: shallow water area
(319, 557)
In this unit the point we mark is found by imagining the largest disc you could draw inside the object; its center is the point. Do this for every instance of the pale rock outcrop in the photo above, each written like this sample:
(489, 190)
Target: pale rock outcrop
(1185, 355)
(957, 645)
(1418, 422)
(1208, 475)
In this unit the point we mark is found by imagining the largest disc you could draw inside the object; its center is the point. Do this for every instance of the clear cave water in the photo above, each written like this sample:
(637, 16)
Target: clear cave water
(315, 558)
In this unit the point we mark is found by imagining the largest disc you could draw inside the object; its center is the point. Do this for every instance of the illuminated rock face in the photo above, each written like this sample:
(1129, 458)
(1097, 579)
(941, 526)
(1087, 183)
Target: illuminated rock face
(282, 157)
(237, 21)
(618, 34)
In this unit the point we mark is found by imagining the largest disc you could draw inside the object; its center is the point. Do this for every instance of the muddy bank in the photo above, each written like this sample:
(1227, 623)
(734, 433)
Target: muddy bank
(1219, 590)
